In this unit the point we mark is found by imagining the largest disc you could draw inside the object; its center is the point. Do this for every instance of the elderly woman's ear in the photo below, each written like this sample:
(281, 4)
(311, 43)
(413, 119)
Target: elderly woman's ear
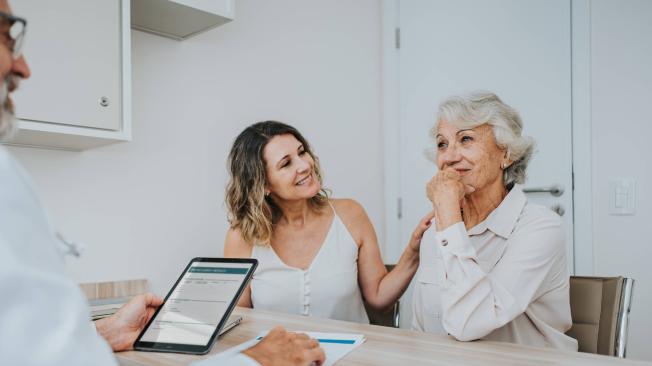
(506, 160)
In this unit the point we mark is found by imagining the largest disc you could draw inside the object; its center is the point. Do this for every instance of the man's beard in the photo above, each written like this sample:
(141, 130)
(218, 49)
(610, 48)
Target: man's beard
(7, 116)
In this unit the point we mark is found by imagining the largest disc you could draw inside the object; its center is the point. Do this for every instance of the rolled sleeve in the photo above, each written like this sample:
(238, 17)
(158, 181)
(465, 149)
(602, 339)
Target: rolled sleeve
(238, 359)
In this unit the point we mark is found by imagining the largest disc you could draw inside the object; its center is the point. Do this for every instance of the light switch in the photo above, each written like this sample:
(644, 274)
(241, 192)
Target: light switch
(623, 194)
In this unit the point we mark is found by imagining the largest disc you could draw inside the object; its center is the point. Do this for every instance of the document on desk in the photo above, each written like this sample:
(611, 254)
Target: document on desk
(335, 345)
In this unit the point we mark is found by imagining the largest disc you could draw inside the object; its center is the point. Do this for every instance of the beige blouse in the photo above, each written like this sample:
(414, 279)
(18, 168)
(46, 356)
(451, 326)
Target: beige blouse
(506, 279)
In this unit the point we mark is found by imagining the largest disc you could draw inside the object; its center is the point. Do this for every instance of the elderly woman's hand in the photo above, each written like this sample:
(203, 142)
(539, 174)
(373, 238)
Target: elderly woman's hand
(446, 192)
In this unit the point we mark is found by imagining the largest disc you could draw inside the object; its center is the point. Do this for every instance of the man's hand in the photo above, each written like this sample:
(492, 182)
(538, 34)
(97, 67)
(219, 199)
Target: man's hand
(122, 328)
(284, 348)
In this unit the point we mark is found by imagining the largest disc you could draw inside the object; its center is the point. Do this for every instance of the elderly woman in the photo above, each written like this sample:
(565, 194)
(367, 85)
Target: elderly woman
(317, 256)
(497, 267)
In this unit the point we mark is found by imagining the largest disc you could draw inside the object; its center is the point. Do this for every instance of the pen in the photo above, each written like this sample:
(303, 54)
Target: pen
(324, 340)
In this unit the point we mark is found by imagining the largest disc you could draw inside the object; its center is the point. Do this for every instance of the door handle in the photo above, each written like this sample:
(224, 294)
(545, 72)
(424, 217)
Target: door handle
(555, 190)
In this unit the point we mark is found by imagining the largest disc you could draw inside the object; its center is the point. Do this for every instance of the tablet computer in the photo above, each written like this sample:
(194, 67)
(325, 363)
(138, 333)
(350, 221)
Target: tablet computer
(198, 306)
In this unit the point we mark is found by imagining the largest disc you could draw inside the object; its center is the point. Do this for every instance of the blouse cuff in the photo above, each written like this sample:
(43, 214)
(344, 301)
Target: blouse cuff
(454, 242)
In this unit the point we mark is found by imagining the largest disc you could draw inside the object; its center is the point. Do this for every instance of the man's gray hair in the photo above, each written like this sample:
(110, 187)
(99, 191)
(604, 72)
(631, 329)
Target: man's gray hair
(7, 117)
(480, 107)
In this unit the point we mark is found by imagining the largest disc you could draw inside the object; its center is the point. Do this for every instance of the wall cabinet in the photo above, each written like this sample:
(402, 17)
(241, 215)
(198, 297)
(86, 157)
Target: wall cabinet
(79, 94)
(180, 19)
(79, 51)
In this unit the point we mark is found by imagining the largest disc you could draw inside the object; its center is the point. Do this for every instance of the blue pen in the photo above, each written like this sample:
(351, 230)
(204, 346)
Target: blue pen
(337, 341)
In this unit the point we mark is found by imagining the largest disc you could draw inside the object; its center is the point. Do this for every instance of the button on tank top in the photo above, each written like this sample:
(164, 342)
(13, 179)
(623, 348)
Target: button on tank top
(327, 289)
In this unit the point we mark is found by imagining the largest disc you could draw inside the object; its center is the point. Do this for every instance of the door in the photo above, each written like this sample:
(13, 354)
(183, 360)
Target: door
(521, 50)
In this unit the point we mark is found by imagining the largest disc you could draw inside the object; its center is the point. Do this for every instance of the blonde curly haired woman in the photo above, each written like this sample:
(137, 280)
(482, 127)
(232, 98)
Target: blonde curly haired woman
(317, 256)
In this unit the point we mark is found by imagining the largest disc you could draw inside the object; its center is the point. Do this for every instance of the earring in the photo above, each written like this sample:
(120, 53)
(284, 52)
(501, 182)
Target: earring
(267, 193)
(503, 166)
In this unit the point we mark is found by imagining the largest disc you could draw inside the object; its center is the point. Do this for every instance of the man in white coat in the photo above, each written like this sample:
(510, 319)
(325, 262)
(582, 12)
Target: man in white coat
(44, 317)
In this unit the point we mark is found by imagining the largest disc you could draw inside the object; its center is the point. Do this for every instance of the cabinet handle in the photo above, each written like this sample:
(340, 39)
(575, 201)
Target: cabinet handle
(104, 102)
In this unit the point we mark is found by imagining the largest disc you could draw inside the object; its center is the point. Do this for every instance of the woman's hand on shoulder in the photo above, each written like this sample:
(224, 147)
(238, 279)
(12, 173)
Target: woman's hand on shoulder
(417, 234)
(235, 245)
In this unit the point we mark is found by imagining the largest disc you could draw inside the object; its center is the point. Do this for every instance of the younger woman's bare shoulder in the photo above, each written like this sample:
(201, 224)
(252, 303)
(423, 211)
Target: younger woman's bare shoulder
(347, 207)
(354, 218)
(235, 244)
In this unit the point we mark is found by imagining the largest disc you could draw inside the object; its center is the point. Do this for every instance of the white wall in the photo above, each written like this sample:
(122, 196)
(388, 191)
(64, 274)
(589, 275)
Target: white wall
(146, 207)
(621, 87)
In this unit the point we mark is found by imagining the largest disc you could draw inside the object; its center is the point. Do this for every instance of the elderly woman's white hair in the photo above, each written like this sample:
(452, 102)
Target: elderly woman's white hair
(482, 107)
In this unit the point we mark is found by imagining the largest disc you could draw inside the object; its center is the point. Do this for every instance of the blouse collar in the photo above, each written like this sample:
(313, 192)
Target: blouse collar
(502, 220)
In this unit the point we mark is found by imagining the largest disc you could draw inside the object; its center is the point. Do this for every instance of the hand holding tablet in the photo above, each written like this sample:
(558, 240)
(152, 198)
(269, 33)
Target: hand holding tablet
(122, 328)
(198, 306)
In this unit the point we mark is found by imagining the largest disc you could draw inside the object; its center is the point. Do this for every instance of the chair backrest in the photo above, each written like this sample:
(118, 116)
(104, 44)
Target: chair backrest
(388, 318)
(600, 312)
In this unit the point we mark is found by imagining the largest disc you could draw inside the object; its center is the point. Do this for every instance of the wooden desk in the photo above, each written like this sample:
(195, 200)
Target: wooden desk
(385, 346)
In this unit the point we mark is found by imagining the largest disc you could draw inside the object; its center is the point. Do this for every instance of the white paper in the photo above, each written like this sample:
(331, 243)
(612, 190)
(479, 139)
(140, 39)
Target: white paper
(335, 345)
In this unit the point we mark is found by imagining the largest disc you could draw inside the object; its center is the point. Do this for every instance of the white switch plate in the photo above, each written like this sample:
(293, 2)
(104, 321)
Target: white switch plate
(623, 197)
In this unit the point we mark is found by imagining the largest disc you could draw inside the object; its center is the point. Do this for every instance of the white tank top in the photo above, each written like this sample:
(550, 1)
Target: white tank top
(327, 289)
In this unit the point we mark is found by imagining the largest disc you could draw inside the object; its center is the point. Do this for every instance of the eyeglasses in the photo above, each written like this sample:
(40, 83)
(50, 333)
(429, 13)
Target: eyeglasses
(12, 33)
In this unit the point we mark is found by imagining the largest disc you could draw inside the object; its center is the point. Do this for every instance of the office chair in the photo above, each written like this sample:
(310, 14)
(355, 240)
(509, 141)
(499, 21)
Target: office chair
(600, 311)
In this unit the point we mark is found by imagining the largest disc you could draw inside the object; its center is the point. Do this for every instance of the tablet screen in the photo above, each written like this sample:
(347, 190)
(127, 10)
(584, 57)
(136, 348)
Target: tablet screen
(197, 304)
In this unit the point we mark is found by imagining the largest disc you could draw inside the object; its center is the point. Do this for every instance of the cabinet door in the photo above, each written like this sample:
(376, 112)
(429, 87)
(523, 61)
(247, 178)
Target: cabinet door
(73, 48)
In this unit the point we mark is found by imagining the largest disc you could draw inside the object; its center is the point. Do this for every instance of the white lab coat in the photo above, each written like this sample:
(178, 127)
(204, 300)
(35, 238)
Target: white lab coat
(44, 316)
